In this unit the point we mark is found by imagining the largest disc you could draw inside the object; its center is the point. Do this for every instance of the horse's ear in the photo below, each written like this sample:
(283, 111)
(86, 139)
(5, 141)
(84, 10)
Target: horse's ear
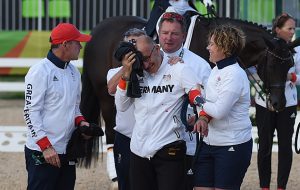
(294, 43)
(269, 43)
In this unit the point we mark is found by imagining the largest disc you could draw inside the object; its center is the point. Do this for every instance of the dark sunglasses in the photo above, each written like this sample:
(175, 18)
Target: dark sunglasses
(171, 15)
(147, 58)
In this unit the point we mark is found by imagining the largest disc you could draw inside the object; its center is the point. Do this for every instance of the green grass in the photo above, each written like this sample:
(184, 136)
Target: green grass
(12, 78)
(12, 95)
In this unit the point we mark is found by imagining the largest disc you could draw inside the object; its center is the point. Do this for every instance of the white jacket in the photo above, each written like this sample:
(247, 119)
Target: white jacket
(157, 112)
(228, 102)
(52, 97)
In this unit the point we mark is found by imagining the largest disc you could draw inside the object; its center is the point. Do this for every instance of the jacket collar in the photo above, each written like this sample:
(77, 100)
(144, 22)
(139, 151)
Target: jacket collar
(56, 61)
(226, 62)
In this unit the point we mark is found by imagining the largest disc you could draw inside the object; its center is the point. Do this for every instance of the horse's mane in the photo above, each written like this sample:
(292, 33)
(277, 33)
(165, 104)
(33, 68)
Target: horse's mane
(241, 23)
(246, 22)
(255, 35)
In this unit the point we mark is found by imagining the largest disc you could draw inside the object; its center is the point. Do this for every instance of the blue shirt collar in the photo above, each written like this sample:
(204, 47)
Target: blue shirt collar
(56, 61)
(226, 62)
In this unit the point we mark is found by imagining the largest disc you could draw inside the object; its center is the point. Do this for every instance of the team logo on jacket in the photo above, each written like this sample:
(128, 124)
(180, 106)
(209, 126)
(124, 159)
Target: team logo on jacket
(55, 78)
(157, 89)
(293, 115)
(167, 77)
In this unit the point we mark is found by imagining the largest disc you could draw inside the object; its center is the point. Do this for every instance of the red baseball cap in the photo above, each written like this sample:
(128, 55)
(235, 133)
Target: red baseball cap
(67, 32)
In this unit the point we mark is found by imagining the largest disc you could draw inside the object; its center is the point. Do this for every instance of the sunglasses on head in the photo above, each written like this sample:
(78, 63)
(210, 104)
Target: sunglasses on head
(133, 41)
(284, 15)
(171, 15)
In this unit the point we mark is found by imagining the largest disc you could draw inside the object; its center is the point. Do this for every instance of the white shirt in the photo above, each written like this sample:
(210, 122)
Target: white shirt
(157, 112)
(180, 6)
(290, 87)
(52, 97)
(201, 69)
(228, 101)
(124, 120)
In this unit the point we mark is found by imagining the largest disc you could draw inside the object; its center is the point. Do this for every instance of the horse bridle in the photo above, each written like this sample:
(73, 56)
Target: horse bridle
(278, 57)
(266, 89)
(283, 60)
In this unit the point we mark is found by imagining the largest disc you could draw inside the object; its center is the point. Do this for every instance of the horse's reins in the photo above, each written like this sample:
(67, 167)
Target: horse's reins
(266, 91)
(283, 59)
(255, 82)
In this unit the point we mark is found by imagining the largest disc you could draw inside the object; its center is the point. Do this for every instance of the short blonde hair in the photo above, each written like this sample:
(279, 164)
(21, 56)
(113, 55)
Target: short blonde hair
(229, 38)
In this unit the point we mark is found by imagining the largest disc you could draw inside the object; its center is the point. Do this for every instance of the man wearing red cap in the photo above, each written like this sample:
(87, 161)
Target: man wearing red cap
(51, 112)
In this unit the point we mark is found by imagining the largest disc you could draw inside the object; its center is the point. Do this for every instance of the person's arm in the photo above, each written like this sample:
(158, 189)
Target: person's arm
(35, 91)
(113, 78)
(296, 76)
(122, 101)
(114, 75)
(297, 65)
(127, 62)
(189, 82)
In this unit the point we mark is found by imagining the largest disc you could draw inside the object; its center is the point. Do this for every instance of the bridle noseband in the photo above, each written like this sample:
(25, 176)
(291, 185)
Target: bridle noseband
(268, 86)
(278, 57)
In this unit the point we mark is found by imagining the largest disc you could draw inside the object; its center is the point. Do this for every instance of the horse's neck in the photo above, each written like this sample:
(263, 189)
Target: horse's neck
(254, 47)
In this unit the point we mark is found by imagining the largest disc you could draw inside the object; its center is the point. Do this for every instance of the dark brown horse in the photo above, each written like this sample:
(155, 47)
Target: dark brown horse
(261, 49)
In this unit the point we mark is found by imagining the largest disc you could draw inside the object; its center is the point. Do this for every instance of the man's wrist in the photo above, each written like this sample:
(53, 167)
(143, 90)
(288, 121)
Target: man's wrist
(50, 146)
(44, 143)
(293, 77)
(204, 118)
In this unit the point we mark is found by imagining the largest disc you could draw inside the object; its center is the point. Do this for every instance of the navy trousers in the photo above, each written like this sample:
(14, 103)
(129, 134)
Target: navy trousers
(122, 160)
(43, 176)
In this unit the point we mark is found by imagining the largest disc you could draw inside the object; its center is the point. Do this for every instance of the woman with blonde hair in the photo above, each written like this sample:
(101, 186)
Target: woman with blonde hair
(225, 153)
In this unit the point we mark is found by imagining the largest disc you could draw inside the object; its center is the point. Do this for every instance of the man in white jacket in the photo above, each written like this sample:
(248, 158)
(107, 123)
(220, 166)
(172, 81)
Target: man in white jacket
(157, 146)
(124, 120)
(52, 97)
(172, 34)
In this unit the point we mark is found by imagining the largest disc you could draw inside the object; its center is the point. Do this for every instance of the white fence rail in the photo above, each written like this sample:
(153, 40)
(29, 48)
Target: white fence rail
(12, 86)
(27, 62)
(21, 63)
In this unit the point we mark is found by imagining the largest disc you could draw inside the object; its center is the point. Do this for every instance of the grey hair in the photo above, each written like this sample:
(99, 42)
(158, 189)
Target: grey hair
(134, 32)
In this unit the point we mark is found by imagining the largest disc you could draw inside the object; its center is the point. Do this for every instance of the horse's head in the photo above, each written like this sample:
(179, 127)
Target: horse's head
(273, 69)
